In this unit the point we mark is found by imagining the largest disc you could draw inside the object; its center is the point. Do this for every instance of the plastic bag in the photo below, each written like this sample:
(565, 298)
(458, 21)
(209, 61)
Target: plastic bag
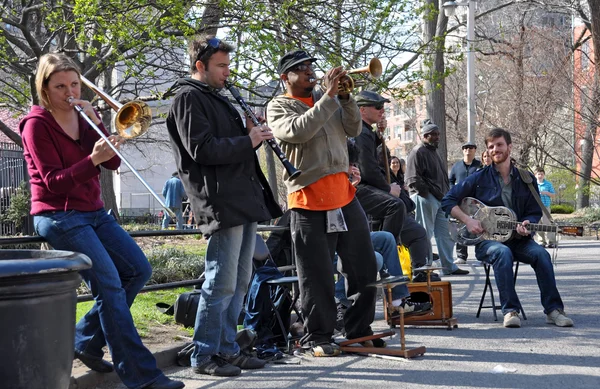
(404, 256)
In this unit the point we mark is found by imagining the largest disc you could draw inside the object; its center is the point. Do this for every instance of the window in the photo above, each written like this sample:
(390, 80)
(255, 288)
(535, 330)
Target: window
(585, 55)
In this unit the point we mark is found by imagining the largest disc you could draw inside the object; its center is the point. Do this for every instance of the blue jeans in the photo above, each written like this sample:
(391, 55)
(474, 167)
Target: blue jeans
(386, 254)
(119, 270)
(431, 216)
(228, 270)
(501, 255)
(167, 219)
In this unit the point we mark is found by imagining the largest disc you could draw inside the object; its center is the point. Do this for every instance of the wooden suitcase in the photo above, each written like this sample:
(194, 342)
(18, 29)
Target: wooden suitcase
(441, 297)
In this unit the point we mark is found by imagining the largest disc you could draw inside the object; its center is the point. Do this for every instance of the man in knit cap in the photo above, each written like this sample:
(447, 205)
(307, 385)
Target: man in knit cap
(427, 180)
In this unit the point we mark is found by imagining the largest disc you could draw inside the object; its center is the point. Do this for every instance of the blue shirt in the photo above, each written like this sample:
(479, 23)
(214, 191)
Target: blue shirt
(546, 186)
(173, 192)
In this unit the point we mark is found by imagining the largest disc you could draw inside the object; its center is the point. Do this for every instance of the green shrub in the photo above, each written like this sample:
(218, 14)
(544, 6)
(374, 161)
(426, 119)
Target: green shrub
(174, 264)
(562, 208)
(587, 215)
(19, 207)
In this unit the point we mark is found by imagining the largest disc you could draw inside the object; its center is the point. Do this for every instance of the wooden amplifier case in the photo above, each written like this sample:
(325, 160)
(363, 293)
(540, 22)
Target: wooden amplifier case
(441, 296)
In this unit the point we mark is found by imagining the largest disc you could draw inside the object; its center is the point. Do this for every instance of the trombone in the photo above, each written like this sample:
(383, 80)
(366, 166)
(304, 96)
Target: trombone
(131, 120)
(347, 83)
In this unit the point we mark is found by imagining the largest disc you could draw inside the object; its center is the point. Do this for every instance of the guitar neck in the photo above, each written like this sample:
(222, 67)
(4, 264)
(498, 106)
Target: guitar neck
(530, 227)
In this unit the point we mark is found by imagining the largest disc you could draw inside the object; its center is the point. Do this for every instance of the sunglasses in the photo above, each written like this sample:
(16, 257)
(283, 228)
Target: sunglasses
(469, 147)
(301, 68)
(211, 43)
(378, 107)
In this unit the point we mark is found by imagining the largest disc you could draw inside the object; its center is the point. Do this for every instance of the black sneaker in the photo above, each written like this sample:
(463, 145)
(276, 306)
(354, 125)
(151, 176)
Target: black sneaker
(339, 321)
(217, 366)
(411, 309)
(422, 277)
(245, 362)
(377, 343)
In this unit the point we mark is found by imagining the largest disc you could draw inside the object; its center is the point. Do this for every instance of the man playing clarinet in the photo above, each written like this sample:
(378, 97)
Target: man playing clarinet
(216, 161)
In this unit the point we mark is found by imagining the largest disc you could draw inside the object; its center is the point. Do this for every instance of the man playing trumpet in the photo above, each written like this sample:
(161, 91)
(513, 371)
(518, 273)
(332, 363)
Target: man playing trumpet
(312, 126)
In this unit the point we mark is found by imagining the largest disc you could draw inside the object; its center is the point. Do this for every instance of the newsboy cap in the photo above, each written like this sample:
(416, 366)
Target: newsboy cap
(428, 126)
(293, 58)
(368, 98)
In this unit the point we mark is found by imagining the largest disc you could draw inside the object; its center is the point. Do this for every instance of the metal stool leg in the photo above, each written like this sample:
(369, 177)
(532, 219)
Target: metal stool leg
(515, 282)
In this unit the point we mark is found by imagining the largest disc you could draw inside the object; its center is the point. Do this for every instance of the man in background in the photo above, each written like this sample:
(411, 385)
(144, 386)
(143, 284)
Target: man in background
(427, 180)
(458, 173)
(173, 193)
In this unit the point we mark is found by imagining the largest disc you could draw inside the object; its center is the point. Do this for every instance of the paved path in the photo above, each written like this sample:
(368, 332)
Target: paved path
(543, 355)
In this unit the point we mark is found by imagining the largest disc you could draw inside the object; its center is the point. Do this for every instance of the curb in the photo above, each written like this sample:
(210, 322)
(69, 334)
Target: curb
(91, 379)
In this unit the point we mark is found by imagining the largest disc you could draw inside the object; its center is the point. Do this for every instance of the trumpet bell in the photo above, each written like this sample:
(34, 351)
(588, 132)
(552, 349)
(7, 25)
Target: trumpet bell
(133, 119)
(374, 68)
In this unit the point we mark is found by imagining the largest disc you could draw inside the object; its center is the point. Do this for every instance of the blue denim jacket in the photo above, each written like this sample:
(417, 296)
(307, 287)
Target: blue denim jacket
(173, 192)
(484, 186)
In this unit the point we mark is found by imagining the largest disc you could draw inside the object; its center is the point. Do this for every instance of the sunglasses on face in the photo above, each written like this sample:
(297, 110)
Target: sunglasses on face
(469, 147)
(378, 107)
(301, 68)
(211, 43)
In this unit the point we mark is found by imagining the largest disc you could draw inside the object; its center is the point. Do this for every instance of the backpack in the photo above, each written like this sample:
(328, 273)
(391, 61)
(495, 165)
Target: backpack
(185, 308)
(268, 307)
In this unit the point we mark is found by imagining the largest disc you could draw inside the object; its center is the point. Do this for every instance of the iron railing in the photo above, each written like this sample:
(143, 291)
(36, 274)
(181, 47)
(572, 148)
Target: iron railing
(21, 240)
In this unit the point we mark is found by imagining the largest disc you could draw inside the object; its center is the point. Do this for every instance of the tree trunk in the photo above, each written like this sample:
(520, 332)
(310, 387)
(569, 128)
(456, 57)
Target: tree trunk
(106, 176)
(434, 30)
(592, 114)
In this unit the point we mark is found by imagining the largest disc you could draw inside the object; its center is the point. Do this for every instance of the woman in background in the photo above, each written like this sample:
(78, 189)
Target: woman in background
(63, 154)
(397, 169)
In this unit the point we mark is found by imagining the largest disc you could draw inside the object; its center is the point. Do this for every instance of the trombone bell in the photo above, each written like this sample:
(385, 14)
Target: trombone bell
(133, 119)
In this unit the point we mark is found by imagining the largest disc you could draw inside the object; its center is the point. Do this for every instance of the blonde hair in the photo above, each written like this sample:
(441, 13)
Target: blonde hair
(48, 65)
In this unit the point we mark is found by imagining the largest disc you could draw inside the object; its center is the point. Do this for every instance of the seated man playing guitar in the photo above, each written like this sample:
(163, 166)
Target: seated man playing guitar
(500, 184)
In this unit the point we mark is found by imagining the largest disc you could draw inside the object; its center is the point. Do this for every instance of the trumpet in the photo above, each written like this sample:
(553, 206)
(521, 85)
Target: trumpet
(131, 120)
(347, 84)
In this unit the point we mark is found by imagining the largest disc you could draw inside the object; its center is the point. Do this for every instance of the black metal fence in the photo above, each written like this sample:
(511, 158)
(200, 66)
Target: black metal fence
(22, 240)
(13, 171)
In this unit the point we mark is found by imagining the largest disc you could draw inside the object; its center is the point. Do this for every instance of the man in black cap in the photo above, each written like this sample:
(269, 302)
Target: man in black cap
(311, 126)
(380, 199)
(458, 173)
(427, 180)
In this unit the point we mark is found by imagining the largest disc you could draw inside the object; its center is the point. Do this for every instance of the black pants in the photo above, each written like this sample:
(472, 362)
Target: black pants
(380, 205)
(461, 251)
(315, 249)
(383, 206)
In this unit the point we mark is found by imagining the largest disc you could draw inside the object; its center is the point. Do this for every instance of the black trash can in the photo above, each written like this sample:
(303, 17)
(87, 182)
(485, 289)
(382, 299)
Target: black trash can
(37, 317)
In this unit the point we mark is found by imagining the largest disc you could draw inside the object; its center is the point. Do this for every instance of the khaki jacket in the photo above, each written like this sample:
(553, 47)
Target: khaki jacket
(314, 139)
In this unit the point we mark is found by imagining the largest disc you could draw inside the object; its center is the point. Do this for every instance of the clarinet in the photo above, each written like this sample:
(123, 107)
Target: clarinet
(291, 170)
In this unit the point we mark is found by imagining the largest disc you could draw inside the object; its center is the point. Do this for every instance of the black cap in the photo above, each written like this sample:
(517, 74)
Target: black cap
(293, 58)
(469, 145)
(369, 98)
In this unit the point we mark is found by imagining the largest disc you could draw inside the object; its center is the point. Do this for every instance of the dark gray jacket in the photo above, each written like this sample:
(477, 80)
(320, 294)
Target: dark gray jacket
(425, 172)
(216, 161)
(370, 171)
(460, 171)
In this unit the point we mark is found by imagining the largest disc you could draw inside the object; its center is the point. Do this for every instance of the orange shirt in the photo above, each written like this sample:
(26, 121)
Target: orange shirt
(329, 192)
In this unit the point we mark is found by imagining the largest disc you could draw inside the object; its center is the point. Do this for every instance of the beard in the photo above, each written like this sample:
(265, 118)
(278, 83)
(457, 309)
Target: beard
(499, 157)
